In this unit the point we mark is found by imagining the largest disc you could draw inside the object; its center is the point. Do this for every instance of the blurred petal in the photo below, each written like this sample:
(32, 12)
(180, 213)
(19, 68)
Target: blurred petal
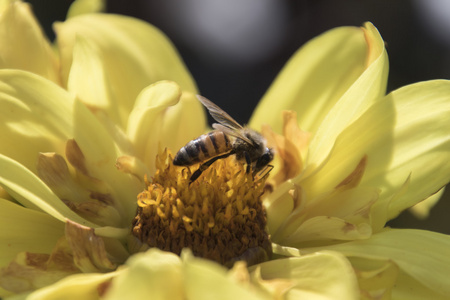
(322, 275)
(32, 231)
(163, 117)
(206, 280)
(132, 53)
(24, 45)
(421, 254)
(320, 73)
(75, 287)
(80, 7)
(154, 273)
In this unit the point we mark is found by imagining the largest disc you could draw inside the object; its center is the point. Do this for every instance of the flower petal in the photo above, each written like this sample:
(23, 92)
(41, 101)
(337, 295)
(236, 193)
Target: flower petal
(154, 273)
(132, 53)
(94, 90)
(318, 75)
(31, 192)
(170, 118)
(200, 273)
(32, 231)
(421, 254)
(39, 116)
(368, 88)
(35, 116)
(422, 209)
(407, 133)
(24, 45)
(80, 7)
(322, 275)
(80, 286)
(89, 253)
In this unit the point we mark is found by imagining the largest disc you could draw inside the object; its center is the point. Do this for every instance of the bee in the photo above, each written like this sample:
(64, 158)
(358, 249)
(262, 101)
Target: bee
(228, 138)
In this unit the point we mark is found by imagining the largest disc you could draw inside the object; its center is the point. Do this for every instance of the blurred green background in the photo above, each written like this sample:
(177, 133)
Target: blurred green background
(235, 48)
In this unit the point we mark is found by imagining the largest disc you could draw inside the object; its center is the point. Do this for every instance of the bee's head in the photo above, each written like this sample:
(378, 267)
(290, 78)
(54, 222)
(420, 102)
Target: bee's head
(264, 159)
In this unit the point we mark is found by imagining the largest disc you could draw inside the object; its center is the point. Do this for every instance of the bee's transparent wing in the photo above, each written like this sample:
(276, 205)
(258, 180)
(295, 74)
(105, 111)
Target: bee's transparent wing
(219, 114)
(232, 132)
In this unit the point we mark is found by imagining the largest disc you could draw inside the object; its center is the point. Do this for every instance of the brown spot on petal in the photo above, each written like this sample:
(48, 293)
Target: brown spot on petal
(52, 169)
(354, 178)
(102, 197)
(103, 288)
(76, 157)
(88, 249)
(348, 227)
(30, 271)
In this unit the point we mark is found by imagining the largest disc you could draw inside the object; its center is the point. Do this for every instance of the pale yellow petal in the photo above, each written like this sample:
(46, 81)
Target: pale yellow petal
(80, 7)
(409, 288)
(279, 205)
(80, 286)
(154, 273)
(421, 254)
(322, 275)
(418, 146)
(206, 280)
(340, 215)
(94, 90)
(395, 135)
(163, 117)
(39, 116)
(133, 55)
(29, 230)
(422, 209)
(35, 116)
(337, 64)
(369, 87)
(24, 45)
(325, 228)
(183, 122)
(31, 192)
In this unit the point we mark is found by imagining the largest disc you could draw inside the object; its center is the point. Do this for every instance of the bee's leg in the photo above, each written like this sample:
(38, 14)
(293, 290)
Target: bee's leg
(206, 165)
(248, 161)
(264, 172)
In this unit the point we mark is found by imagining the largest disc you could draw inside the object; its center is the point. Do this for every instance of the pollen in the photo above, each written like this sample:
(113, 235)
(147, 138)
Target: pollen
(219, 216)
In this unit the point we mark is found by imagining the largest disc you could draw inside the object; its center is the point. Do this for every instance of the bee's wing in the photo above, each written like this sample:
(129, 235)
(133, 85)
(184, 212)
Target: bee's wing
(219, 114)
(232, 132)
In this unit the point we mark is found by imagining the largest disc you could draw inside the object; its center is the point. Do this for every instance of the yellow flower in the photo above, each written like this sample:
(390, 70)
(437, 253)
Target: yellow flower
(83, 125)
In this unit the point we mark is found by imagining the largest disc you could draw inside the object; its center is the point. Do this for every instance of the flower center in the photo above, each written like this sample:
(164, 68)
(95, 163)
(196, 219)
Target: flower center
(219, 216)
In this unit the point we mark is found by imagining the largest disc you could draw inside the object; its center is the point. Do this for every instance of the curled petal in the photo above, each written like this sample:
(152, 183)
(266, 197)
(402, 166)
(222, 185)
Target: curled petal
(171, 118)
(327, 76)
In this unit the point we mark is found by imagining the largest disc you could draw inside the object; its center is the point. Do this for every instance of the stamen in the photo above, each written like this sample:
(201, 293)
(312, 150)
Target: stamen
(219, 216)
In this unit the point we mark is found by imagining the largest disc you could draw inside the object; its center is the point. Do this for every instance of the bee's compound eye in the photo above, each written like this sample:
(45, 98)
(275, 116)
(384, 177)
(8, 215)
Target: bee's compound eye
(265, 159)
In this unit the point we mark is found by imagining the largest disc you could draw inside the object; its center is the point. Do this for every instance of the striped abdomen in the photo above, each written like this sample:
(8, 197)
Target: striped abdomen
(205, 146)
